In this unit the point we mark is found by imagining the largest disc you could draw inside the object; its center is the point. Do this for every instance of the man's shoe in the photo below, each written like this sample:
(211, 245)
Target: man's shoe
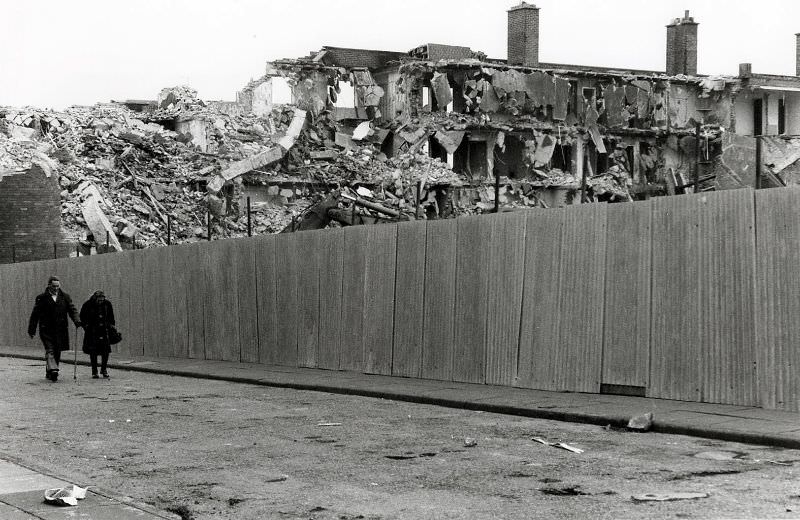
(54, 376)
(95, 376)
(105, 374)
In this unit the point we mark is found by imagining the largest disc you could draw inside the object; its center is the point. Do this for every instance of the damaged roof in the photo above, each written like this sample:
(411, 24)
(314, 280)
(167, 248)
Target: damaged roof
(354, 58)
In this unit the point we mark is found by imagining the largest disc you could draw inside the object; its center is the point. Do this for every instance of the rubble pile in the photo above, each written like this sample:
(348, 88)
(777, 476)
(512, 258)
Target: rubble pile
(124, 174)
(138, 171)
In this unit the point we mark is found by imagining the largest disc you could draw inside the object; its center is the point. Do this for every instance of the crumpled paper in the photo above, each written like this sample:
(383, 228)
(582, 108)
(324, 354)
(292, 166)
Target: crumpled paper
(65, 496)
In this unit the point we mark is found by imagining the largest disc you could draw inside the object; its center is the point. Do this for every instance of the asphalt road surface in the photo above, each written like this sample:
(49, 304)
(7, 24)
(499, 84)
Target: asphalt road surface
(212, 449)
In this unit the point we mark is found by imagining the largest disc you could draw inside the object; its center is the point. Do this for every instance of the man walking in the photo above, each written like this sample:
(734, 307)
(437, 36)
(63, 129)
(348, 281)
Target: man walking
(50, 313)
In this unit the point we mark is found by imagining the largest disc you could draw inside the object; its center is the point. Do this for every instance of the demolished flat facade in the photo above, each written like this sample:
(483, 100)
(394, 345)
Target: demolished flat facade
(552, 131)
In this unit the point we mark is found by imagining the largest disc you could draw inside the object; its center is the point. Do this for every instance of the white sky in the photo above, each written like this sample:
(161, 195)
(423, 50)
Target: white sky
(54, 53)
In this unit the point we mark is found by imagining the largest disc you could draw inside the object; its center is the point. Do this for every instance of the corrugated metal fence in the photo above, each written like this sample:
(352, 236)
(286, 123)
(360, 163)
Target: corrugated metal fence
(693, 298)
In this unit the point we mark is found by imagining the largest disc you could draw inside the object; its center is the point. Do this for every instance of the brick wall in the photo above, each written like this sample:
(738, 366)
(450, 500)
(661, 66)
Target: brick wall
(30, 214)
(523, 35)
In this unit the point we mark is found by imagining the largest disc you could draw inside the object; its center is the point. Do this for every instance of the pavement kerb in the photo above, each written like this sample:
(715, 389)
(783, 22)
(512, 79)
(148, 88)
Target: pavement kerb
(105, 493)
(659, 426)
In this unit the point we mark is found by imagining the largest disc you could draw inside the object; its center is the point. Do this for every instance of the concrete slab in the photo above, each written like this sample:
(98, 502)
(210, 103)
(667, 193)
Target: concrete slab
(12, 513)
(93, 507)
(15, 478)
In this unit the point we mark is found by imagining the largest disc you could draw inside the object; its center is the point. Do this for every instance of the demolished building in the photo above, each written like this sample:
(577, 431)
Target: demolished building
(603, 134)
(435, 132)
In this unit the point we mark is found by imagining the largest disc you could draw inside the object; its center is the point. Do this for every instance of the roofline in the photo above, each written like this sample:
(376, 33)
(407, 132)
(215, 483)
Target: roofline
(326, 47)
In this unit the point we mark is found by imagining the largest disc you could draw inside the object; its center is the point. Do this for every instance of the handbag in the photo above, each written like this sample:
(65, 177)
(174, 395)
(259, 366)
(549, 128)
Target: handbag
(114, 335)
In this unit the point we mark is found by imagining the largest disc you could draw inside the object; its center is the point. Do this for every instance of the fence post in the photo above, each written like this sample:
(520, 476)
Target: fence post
(208, 220)
(169, 230)
(249, 220)
(55, 250)
(77, 249)
(696, 158)
(108, 240)
(419, 196)
(496, 193)
(758, 162)
(13, 253)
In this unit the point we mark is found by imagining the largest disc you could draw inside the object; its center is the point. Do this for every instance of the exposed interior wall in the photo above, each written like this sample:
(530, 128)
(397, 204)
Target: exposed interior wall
(743, 107)
(771, 119)
(262, 98)
(346, 97)
(792, 100)
(393, 103)
(197, 128)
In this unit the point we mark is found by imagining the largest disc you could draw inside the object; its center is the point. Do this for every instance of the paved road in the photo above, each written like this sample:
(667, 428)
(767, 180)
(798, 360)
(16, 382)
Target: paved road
(214, 449)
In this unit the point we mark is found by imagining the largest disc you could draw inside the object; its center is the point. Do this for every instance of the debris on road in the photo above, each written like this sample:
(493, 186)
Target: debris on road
(641, 423)
(563, 491)
(410, 455)
(561, 445)
(330, 424)
(720, 455)
(280, 478)
(666, 497)
(469, 442)
(65, 496)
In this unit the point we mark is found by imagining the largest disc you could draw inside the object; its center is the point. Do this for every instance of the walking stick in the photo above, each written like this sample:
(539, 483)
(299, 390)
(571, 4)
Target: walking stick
(75, 358)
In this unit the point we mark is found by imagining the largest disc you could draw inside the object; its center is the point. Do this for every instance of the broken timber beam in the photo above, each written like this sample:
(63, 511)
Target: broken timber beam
(262, 159)
(98, 223)
(372, 205)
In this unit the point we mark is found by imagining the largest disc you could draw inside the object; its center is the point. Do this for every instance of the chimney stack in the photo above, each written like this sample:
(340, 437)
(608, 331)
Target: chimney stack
(797, 55)
(523, 35)
(682, 46)
(745, 70)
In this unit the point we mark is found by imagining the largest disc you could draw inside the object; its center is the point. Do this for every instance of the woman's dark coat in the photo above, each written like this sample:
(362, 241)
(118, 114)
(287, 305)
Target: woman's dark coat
(96, 317)
(51, 317)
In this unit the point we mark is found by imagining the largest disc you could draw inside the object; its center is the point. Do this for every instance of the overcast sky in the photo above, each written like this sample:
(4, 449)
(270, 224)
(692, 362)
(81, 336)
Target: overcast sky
(54, 53)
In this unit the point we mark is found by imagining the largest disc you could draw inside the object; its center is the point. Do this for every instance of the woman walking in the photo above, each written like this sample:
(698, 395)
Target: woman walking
(97, 317)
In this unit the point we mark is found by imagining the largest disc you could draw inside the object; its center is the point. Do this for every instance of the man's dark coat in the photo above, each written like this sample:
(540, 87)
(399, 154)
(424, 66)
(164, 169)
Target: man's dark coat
(51, 317)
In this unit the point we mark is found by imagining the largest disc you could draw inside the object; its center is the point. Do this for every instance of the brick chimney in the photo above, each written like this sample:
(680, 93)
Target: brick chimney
(797, 55)
(682, 46)
(523, 35)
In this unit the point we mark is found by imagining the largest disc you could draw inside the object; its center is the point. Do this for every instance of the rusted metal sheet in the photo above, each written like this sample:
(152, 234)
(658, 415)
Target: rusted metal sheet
(158, 311)
(727, 271)
(379, 286)
(266, 297)
(778, 297)
(221, 302)
(506, 275)
(352, 338)
(136, 324)
(626, 330)
(440, 296)
(409, 299)
(675, 313)
(20, 284)
(191, 256)
(309, 254)
(330, 297)
(472, 273)
(540, 323)
(10, 323)
(286, 269)
(583, 251)
(244, 254)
